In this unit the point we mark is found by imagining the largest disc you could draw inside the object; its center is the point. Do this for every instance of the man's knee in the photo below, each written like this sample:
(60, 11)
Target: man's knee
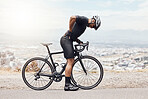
(70, 61)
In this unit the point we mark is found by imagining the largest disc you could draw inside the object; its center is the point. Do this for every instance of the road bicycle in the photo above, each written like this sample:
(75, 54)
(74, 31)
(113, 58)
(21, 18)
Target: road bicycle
(38, 73)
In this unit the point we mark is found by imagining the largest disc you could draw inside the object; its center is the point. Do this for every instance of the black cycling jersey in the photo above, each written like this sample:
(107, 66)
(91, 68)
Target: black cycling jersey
(67, 43)
(79, 27)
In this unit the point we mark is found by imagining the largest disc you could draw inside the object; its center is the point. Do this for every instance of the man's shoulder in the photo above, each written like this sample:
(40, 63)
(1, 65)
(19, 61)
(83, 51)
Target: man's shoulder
(80, 16)
(81, 19)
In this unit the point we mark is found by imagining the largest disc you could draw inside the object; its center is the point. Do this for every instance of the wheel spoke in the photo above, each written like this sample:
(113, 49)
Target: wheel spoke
(30, 78)
(81, 79)
(44, 79)
(41, 82)
(32, 81)
(91, 66)
(92, 77)
(78, 66)
(44, 69)
(90, 80)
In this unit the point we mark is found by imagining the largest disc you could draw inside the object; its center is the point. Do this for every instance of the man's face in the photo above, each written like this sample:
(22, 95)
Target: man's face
(92, 25)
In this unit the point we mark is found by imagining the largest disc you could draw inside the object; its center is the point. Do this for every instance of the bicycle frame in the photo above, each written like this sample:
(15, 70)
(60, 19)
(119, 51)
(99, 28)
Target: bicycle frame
(52, 62)
(50, 55)
(63, 69)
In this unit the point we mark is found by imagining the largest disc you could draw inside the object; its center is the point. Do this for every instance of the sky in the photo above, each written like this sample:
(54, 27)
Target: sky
(122, 20)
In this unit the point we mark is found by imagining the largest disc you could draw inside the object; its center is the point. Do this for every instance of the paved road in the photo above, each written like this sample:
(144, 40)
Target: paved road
(123, 93)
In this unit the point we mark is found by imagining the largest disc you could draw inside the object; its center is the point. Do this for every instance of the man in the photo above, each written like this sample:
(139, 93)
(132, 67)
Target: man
(77, 26)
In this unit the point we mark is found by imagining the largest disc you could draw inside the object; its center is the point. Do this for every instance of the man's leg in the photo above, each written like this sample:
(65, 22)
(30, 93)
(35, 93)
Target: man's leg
(69, 67)
(68, 70)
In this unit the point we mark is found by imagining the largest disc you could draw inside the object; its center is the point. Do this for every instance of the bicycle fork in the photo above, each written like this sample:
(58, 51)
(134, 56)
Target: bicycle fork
(82, 66)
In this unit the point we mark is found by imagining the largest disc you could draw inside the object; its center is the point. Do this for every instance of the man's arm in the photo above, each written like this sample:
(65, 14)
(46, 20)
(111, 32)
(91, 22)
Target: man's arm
(71, 22)
(79, 41)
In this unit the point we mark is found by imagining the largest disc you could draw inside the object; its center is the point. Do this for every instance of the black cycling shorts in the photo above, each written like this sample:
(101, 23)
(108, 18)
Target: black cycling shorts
(67, 45)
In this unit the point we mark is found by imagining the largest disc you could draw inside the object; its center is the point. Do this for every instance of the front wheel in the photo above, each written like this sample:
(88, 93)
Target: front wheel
(93, 75)
(31, 76)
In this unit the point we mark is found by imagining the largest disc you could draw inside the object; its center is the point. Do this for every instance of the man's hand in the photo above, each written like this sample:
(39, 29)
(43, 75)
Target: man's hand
(79, 41)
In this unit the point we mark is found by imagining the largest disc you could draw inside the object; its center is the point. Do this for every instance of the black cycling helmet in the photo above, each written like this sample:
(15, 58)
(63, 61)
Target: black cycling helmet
(97, 21)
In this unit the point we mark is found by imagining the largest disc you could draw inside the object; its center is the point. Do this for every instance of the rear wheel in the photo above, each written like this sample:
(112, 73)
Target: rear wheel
(30, 73)
(93, 76)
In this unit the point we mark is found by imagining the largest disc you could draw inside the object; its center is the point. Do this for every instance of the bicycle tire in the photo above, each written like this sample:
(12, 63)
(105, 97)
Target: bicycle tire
(75, 71)
(32, 66)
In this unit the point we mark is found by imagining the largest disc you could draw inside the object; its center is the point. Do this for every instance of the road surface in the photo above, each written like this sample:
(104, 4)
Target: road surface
(119, 93)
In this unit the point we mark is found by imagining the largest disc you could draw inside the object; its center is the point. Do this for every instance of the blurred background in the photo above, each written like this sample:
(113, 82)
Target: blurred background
(121, 41)
(123, 21)
(120, 44)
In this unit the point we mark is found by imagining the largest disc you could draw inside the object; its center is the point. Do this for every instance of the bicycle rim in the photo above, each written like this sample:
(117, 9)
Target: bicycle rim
(94, 73)
(30, 77)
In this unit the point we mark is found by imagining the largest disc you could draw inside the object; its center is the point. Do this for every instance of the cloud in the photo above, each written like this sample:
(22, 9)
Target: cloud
(104, 4)
(128, 1)
(144, 4)
(135, 20)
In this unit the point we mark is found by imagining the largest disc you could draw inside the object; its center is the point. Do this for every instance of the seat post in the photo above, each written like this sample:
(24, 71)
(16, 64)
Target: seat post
(48, 49)
(50, 55)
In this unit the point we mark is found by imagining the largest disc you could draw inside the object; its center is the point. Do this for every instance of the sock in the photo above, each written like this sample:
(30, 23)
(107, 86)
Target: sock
(67, 80)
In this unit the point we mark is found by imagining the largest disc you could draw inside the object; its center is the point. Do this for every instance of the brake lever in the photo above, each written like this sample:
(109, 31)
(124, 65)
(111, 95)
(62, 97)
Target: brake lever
(83, 45)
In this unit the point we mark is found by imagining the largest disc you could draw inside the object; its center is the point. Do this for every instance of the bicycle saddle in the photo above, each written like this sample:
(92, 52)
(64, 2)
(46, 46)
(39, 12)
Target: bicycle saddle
(46, 44)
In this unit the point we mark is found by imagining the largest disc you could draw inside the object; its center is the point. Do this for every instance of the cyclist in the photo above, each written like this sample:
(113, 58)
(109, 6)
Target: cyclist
(77, 26)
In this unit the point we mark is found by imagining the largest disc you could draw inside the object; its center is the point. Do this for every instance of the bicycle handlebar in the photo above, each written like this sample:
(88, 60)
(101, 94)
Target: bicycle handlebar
(83, 45)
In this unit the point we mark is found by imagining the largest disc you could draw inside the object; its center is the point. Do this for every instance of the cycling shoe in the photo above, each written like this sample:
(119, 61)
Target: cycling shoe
(70, 87)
